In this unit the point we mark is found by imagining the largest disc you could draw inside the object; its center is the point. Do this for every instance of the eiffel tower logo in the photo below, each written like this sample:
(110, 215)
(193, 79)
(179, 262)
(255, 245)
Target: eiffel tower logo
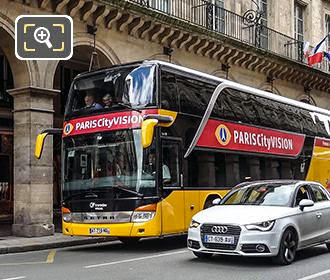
(223, 135)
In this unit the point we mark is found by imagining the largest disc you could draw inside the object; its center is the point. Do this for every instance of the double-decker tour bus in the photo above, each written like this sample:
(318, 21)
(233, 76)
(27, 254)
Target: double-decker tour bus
(148, 144)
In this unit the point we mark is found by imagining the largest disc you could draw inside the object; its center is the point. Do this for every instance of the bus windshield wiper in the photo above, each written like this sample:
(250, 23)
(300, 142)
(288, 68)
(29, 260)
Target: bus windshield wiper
(86, 194)
(129, 107)
(128, 190)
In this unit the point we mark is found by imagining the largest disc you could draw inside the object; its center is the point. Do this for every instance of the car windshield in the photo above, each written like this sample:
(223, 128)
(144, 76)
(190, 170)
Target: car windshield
(102, 161)
(268, 194)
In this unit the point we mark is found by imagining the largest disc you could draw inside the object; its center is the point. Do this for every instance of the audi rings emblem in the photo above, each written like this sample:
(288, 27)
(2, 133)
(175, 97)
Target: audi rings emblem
(219, 229)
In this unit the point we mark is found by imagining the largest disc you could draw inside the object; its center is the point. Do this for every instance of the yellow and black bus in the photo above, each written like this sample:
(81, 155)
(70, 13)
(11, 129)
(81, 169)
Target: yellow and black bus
(148, 144)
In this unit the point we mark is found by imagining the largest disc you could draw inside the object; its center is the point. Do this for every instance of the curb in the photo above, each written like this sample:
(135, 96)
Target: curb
(60, 244)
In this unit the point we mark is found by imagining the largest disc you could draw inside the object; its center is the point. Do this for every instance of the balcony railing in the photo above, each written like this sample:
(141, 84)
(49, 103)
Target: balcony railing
(219, 20)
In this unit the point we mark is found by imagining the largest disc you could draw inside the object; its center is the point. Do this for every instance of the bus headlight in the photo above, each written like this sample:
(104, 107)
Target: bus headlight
(144, 213)
(139, 217)
(66, 215)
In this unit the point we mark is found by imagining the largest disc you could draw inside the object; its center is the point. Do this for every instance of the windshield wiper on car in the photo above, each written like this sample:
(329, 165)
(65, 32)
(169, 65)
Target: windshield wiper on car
(128, 190)
(128, 106)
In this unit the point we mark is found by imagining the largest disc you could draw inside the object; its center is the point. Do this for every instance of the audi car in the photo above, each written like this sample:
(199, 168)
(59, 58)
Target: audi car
(263, 218)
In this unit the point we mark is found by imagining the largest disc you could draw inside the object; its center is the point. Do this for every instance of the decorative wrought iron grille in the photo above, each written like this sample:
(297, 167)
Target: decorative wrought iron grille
(248, 28)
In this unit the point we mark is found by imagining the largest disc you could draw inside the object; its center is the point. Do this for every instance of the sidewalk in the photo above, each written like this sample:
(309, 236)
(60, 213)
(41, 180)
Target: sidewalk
(14, 244)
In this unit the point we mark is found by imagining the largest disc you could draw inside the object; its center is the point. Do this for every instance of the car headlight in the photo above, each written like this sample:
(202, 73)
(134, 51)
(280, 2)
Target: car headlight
(194, 224)
(263, 226)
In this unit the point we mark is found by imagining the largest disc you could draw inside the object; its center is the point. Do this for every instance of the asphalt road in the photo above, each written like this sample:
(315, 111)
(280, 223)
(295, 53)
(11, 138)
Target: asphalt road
(156, 259)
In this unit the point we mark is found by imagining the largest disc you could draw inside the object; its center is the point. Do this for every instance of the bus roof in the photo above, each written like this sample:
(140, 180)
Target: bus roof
(259, 92)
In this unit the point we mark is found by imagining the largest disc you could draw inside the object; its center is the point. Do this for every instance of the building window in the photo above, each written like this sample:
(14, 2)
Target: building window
(298, 30)
(215, 15)
(327, 28)
(6, 82)
(219, 16)
(161, 5)
(263, 39)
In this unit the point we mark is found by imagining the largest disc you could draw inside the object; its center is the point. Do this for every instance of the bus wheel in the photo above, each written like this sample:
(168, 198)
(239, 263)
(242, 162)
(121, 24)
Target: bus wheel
(202, 255)
(129, 240)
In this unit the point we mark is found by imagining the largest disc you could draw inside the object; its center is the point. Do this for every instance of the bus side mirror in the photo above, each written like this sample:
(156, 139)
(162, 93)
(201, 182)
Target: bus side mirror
(39, 144)
(41, 140)
(147, 132)
(148, 127)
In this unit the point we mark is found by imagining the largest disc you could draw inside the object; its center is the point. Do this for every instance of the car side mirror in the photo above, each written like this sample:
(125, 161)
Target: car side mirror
(216, 201)
(305, 203)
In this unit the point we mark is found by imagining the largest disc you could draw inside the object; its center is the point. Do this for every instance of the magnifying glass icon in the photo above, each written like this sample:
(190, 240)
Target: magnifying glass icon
(42, 35)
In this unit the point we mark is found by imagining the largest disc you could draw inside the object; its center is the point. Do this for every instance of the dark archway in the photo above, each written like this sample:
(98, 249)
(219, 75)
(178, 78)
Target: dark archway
(64, 74)
(6, 146)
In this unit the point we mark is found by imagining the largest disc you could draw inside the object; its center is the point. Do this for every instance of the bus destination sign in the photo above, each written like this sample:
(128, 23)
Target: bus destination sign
(105, 122)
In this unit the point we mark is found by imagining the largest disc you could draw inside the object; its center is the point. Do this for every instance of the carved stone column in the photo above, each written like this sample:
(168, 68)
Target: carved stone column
(33, 179)
(206, 170)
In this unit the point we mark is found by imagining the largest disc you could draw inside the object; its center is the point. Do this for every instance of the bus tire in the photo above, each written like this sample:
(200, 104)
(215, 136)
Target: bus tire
(129, 240)
(201, 255)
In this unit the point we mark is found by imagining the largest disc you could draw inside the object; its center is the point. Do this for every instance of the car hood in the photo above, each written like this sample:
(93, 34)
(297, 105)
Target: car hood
(241, 214)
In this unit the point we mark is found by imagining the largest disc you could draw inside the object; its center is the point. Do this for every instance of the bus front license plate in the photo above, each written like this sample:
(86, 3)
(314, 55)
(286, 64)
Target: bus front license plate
(219, 239)
(99, 231)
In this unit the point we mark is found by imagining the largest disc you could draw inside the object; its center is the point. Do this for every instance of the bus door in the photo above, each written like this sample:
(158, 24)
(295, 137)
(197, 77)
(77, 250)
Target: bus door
(172, 193)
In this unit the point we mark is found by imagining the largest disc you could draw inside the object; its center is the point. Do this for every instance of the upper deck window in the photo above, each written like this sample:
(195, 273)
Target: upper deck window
(108, 91)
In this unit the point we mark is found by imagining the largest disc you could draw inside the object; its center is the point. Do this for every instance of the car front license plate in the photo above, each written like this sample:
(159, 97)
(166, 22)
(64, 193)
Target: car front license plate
(219, 239)
(99, 231)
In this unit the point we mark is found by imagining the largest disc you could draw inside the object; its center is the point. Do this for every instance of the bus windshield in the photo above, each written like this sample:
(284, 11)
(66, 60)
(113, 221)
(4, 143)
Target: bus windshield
(102, 161)
(109, 90)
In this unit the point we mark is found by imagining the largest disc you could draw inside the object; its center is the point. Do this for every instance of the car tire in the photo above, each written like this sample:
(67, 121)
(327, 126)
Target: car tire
(328, 245)
(288, 247)
(129, 240)
(202, 255)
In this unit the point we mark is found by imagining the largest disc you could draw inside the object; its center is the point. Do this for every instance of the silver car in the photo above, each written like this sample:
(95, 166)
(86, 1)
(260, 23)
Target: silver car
(263, 218)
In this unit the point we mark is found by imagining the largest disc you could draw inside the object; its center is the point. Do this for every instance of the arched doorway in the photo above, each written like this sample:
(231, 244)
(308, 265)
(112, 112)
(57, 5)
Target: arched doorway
(65, 72)
(6, 145)
(12, 73)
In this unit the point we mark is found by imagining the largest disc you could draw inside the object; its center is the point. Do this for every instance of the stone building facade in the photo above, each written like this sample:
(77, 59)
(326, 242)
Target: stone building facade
(254, 42)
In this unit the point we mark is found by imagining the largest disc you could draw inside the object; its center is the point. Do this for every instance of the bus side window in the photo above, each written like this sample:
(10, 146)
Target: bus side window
(171, 163)
(169, 95)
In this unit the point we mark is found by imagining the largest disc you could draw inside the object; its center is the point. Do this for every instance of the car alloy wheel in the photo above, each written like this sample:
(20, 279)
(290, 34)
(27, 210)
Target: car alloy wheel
(287, 251)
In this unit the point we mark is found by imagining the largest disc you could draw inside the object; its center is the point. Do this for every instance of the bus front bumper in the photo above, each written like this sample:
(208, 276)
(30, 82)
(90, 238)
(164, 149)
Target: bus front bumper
(150, 228)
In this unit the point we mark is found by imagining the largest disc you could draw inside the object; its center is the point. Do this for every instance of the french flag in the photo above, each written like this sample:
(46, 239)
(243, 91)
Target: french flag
(327, 55)
(318, 52)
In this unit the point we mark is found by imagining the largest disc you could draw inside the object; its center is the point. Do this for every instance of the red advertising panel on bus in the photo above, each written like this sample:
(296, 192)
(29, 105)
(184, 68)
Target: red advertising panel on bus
(321, 142)
(105, 122)
(237, 137)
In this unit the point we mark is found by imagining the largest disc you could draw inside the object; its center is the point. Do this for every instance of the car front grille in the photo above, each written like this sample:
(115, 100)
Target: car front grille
(232, 231)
